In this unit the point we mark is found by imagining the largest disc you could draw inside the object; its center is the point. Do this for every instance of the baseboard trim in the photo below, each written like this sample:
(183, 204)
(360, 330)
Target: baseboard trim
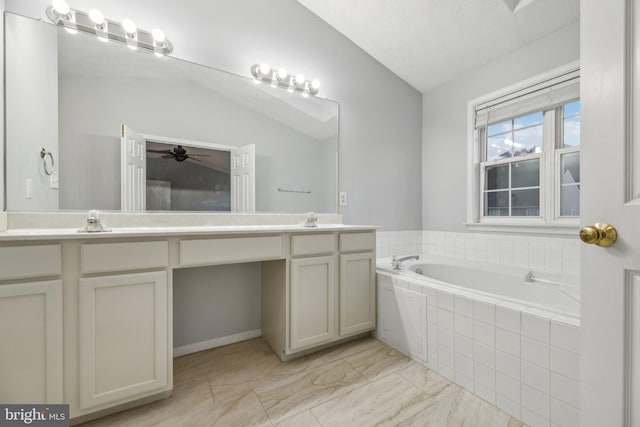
(216, 342)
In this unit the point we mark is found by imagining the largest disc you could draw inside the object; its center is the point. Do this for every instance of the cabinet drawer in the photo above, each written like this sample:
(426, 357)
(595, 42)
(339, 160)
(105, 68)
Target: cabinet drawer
(229, 250)
(358, 241)
(312, 244)
(22, 262)
(109, 257)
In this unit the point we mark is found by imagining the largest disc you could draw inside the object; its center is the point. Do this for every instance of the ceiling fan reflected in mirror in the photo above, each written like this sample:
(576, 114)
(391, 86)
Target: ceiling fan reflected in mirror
(178, 153)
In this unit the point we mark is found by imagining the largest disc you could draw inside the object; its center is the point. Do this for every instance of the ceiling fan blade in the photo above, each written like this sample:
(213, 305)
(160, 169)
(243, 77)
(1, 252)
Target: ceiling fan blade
(199, 155)
(160, 151)
(193, 158)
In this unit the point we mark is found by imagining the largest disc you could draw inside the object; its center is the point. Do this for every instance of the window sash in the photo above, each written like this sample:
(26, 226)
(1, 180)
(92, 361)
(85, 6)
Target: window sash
(545, 95)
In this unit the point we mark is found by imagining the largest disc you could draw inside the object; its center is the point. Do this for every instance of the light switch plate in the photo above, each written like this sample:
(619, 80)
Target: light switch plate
(54, 181)
(343, 198)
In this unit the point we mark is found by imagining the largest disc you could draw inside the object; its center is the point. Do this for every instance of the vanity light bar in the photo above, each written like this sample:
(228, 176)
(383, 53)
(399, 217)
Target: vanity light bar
(94, 22)
(282, 78)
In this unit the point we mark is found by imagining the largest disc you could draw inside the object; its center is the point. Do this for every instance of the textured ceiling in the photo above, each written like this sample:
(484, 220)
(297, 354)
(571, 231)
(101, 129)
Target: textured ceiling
(427, 42)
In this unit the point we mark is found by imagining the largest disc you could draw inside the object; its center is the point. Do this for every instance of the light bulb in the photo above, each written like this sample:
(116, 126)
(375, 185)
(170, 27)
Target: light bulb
(97, 17)
(129, 27)
(132, 47)
(265, 69)
(61, 7)
(305, 94)
(282, 73)
(158, 35)
(71, 30)
(103, 39)
(300, 79)
(315, 84)
(159, 54)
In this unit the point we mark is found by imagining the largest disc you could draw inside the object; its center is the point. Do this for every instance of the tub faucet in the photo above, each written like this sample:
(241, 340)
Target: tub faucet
(396, 262)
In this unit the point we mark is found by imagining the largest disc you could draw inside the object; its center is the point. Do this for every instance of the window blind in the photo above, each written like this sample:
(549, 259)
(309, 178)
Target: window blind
(541, 96)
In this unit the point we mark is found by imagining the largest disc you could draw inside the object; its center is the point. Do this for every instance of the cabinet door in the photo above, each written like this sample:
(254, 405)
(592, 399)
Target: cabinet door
(31, 342)
(313, 301)
(357, 293)
(123, 337)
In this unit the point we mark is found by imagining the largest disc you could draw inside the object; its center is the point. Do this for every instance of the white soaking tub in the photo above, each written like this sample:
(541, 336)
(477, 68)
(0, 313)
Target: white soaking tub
(508, 335)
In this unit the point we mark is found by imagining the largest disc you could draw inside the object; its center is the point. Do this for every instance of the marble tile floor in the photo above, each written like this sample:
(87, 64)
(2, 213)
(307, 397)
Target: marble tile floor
(361, 383)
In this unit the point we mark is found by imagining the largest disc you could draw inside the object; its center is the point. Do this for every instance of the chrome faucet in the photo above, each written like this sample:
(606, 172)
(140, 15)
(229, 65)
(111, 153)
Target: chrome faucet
(312, 220)
(396, 262)
(94, 223)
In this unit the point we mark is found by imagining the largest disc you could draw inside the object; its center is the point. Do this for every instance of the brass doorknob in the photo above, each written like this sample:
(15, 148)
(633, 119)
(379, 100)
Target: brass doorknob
(600, 234)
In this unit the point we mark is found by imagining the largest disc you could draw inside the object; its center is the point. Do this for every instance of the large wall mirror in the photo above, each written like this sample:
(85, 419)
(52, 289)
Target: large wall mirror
(94, 125)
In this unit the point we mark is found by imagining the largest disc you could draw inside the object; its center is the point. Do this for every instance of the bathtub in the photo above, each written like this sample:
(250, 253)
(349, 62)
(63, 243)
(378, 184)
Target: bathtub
(511, 286)
(508, 335)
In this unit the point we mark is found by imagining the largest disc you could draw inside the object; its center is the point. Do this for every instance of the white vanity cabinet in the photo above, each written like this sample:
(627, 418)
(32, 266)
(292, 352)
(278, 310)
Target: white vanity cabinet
(357, 283)
(123, 323)
(31, 347)
(313, 291)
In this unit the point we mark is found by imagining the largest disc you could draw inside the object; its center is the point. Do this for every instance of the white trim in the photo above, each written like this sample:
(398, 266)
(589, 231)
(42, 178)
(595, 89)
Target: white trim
(187, 142)
(3, 221)
(216, 342)
(475, 220)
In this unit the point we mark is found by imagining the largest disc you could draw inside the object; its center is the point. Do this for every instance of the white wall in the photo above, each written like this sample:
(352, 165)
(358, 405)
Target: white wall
(32, 92)
(380, 114)
(444, 124)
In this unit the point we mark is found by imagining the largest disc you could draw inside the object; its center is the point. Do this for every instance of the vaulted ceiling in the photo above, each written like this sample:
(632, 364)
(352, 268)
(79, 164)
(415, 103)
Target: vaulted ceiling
(428, 42)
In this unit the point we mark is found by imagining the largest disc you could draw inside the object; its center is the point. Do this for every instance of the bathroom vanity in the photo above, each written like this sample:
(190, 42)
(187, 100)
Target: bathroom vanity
(91, 315)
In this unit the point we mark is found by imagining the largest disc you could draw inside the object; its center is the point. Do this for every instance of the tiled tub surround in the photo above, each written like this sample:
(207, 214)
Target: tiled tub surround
(522, 359)
(556, 255)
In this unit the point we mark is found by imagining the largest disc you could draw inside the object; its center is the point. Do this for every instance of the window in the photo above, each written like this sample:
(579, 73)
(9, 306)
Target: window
(526, 155)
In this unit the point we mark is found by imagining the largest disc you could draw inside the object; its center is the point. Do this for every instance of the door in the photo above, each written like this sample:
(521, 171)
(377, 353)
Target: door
(357, 293)
(31, 342)
(243, 179)
(313, 301)
(133, 170)
(610, 313)
(123, 337)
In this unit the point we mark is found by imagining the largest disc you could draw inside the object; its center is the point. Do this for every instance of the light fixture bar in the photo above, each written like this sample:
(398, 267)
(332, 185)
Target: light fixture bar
(284, 79)
(106, 30)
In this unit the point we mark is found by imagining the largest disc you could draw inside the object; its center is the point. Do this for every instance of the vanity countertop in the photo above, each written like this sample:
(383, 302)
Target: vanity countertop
(73, 233)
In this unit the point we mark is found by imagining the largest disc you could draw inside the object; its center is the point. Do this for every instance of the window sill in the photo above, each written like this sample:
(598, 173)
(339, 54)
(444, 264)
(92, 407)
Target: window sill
(521, 228)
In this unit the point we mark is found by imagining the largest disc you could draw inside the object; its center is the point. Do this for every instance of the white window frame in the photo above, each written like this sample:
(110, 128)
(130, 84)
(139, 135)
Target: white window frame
(549, 221)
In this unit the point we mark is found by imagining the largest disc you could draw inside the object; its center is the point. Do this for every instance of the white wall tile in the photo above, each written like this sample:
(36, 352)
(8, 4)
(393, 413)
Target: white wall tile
(508, 365)
(565, 363)
(463, 305)
(445, 337)
(463, 345)
(484, 393)
(484, 312)
(484, 354)
(508, 342)
(564, 415)
(535, 327)
(509, 406)
(446, 371)
(463, 325)
(508, 386)
(508, 319)
(432, 313)
(432, 331)
(430, 293)
(445, 319)
(535, 352)
(445, 355)
(432, 349)
(445, 300)
(534, 420)
(464, 381)
(535, 376)
(463, 365)
(484, 333)
(565, 389)
(565, 336)
(484, 375)
(535, 401)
